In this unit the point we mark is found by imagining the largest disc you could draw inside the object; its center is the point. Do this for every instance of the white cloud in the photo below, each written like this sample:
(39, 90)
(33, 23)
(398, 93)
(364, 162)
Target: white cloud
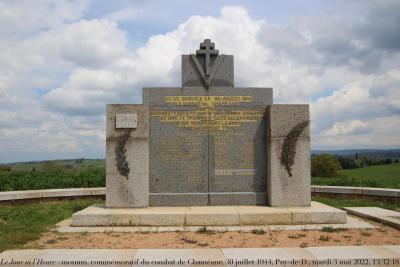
(347, 127)
(59, 72)
(18, 18)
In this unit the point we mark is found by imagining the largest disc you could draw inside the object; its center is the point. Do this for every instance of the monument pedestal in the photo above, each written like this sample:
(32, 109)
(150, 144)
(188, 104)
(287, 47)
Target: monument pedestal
(317, 213)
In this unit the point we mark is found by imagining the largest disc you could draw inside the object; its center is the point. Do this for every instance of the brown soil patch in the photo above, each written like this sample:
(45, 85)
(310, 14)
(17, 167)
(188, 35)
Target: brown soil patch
(301, 238)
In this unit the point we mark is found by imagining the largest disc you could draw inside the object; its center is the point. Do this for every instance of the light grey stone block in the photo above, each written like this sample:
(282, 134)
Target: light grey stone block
(283, 189)
(67, 192)
(131, 191)
(98, 191)
(223, 77)
(99, 215)
(217, 215)
(238, 198)
(388, 217)
(317, 213)
(26, 194)
(338, 189)
(386, 192)
(178, 199)
(265, 216)
(126, 121)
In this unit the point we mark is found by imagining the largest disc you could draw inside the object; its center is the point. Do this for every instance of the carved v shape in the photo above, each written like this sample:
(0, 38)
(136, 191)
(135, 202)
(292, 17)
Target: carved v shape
(214, 68)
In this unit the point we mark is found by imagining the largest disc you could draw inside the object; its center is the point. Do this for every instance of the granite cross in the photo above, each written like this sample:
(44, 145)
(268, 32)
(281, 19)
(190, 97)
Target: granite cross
(207, 48)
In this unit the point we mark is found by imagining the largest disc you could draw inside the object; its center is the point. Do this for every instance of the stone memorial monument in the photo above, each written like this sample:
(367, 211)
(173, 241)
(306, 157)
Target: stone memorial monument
(206, 143)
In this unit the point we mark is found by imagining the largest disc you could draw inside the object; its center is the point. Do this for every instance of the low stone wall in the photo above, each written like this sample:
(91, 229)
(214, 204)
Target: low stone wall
(51, 193)
(101, 191)
(349, 190)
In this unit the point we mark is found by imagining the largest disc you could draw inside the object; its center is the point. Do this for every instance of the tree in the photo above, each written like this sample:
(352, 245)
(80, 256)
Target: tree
(325, 165)
(348, 163)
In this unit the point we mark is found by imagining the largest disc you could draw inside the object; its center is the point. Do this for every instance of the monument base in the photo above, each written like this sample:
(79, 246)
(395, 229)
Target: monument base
(317, 213)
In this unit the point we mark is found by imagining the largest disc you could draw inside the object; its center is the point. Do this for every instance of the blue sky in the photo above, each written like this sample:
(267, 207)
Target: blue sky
(66, 59)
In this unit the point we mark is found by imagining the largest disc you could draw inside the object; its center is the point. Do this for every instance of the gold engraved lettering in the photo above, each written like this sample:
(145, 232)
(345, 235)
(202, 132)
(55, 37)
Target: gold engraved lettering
(208, 118)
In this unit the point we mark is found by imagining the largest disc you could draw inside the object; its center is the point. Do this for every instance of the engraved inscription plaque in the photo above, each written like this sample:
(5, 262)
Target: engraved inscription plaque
(127, 121)
(206, 142)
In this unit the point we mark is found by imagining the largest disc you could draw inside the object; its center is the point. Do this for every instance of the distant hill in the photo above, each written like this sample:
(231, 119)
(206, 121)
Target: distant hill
(370, 153)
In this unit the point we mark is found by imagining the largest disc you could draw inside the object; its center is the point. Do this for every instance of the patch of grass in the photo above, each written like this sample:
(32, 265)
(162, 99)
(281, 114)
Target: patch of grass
(304, 245)
(188, 240)
(293, 236)
(365, 233)
(205, 230)
(23, 223)
(258, 231)
(386, 176)
(359, 202)
(330, 229)
(324, 238)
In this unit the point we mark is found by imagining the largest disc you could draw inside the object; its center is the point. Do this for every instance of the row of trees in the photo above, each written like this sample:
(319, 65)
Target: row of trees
(353, 163)
(326, 165)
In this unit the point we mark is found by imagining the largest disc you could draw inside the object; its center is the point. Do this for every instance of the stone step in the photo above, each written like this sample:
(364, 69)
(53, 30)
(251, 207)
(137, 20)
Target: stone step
(99, 215)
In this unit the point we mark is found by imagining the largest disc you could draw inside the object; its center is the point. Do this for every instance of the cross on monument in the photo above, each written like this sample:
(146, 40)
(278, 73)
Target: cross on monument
(207, 48)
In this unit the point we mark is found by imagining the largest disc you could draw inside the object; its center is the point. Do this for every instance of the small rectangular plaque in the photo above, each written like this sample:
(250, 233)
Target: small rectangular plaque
(126, 121)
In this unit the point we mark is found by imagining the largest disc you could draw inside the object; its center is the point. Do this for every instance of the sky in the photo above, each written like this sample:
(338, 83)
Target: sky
(62, 61)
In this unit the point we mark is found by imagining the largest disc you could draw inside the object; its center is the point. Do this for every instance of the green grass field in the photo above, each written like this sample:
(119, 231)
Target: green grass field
(53, 174)
(386, 176)
(22, 223)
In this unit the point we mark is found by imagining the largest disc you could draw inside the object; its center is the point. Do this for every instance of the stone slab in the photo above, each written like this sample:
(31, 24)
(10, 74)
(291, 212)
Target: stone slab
(16, 195)
(126, 121)
(178, 199)
(238, 198)
(351, 223)
(338, 189)
(131, 191)
(224, 75)
(98, 215)
(265, 216)
(283, 189)
(388, 217)
(67, 192)
(283, 117)
(99, 191)
(387, 192)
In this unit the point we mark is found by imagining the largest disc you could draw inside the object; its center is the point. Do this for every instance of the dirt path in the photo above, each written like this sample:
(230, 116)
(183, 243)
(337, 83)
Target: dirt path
(301, 238)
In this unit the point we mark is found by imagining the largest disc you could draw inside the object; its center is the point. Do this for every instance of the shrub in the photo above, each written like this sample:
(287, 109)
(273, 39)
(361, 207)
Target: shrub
(325, 166)
(348, 163)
